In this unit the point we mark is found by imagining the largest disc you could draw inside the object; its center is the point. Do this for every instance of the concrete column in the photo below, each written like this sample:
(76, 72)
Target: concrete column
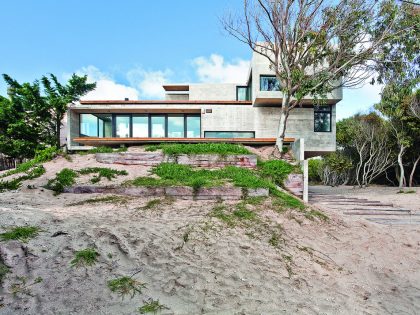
(305, 181)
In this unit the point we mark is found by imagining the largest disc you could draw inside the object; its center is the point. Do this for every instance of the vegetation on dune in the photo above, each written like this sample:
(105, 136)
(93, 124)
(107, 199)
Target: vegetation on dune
(85, 257)
(108, 173)
(106, 199)
(199, 148)
(126, 286)
(20, 233)
(102, 150)
(65, 178)
(152, 306)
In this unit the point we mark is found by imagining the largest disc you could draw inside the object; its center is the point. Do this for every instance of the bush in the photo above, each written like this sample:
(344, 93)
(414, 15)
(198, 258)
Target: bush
(335, 169)
(108, 173)
(65, 178)
(315, 168)
(276, 170)
(199, 148)
(15, 183)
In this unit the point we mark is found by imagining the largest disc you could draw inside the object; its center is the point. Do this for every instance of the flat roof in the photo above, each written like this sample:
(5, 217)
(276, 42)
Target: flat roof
(144, 102)
(176, 87)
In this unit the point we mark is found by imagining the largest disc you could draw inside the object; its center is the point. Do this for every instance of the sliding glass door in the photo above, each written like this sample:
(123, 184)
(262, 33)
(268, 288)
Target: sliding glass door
(158, 123)
(176, 126)
(141, 126)
(122, 126)
(193, 129)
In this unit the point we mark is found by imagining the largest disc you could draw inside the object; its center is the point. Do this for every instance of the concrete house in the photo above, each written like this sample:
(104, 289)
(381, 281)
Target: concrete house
(247, 113)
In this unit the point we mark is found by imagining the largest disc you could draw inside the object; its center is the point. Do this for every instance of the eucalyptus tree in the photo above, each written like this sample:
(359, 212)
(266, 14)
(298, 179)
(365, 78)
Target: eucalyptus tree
(315, 46)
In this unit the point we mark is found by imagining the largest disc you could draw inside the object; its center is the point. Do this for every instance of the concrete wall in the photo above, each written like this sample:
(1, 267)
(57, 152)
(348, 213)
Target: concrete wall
(213, 92)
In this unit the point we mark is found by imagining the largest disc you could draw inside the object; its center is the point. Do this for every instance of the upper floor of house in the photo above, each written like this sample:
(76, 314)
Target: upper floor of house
(260, 87)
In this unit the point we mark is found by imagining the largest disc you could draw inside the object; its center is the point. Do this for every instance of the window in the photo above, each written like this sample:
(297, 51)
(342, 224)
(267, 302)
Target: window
(269, 83)
(176, 126)
(88, 125)
(193, 129)
(158, 126)
(105, 125)
(322, 119)
(229, 134)
(122, 126)
(140, 126)
(243, 93)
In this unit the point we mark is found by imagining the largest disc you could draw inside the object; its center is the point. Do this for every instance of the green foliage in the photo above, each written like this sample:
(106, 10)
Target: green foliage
(65, 178)
(16, 183)
(243, 213)
(30, 118)
(20, 233)
(103, 150)
(276, 170)
(338, 162)
(220, 212)
(85, 257)
(126, 286)
(152, 306)
(108, 173)
(199, 148)
(314, 169)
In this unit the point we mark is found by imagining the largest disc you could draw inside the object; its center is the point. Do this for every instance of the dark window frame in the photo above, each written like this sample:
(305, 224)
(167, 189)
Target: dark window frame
(269, 76)
(318, 110)
(149, 121)
(253, 132)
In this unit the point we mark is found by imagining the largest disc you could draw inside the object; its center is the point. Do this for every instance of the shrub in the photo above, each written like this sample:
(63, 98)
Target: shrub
(85, 257)
(20, 233)
(108, 173)
(275, 170)
(16, 183)
(199, 148)
(152, 306)
(65, 178)
(335, 169)
(126, 285)
(314, 169)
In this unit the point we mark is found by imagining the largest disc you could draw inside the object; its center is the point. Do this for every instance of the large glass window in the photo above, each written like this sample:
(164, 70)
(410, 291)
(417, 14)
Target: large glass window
(229, 134)
(243, 93)
(175, 126)
(88, 125)
(105, 125)
(122, 126)
(193, 127)
(322, 119)
(158, 126)
(269, 83)
(141, 126)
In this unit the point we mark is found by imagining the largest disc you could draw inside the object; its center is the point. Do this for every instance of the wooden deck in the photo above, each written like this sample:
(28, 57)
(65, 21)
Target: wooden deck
(94, 141)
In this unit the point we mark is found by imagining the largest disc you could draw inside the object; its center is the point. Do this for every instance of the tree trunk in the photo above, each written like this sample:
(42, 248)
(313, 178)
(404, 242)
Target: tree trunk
(282, 123)
(400, 163)
(410, 183)
(57, 132)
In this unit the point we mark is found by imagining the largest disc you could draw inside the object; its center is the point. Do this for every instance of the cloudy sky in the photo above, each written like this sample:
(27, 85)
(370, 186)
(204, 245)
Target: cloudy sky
(131, 47)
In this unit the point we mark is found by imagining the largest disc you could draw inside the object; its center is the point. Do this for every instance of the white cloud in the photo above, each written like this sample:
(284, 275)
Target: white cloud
(358, 100)
(216, 70)
(106, 87)
(149, 83)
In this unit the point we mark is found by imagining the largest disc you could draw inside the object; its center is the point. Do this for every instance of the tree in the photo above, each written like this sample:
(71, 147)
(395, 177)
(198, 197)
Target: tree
(58, 97)
(314, 46)
(30, 118)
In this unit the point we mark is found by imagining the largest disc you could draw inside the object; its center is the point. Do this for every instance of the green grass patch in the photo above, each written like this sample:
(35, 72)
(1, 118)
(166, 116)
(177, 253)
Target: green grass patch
(152, 306)
(20, 233)
(65, 178)
(126, 286)
(276, 170)
(220, 212)
(312, 214)
(101, 172)
(102, 150)
(199, 148)
(85, 257)
(14, 184)
(243, 213)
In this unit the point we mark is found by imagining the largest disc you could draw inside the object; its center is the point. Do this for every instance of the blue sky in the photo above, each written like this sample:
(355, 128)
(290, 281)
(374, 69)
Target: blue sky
(130, 47)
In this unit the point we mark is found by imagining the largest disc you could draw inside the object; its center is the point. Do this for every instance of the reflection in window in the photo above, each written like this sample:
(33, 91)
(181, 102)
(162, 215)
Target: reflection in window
(105, 125)
(193, 127)
(229, 134)
(141, 126)
(88, 125)
(322, 119)
(243, 93)
(175, 126)
(122, 126)
(158, 126)
(269, 83)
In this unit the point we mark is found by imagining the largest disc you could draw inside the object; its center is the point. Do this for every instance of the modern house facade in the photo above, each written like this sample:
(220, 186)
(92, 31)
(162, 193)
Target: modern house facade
(240, 113)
